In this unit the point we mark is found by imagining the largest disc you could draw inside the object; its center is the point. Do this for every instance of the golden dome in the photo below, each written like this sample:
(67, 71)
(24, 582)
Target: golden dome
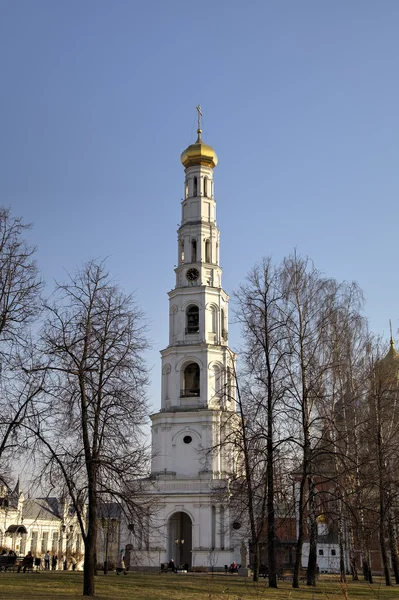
(199, 154)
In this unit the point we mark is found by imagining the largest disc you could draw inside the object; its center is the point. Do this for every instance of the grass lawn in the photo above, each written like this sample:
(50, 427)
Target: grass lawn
(140, 586)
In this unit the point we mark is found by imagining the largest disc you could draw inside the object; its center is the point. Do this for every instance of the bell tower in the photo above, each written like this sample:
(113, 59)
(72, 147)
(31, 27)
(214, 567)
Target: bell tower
(193, 454)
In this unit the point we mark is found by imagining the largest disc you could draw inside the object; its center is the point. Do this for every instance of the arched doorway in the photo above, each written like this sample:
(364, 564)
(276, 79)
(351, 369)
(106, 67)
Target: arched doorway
(180, 538)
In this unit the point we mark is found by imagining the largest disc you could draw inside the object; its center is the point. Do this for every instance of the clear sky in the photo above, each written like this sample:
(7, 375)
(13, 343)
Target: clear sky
(300, 101)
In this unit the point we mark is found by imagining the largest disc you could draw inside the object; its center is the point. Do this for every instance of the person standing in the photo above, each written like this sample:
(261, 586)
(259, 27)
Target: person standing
(54, 562)
(47, 561)
(73, 563)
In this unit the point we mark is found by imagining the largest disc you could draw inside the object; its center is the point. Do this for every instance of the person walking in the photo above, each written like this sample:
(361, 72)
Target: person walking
(121, 564)
(54, 562)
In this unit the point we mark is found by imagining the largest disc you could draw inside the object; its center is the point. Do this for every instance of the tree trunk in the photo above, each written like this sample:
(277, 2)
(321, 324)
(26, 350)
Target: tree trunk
(299, 543)
(393, 546)
(271, 531)
(312, 561)
(90, 546)
(352, 554)
(384, 554)
(342, 573)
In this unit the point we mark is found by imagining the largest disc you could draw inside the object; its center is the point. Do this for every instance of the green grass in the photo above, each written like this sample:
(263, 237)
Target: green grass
(140, 586)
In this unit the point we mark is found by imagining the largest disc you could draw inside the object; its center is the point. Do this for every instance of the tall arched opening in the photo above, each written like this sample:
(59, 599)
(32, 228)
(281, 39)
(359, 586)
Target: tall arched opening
(180, 538)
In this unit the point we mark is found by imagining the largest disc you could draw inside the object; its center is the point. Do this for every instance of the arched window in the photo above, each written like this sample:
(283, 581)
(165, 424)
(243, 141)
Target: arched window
(182, 252)
(216, 383)
(229, 384)
(207, 251)
(193, 250)
(186, 189)
(223, 324)
(213, 319)
(195, 187)
(191, 380)
(205, 186)
(192, 316)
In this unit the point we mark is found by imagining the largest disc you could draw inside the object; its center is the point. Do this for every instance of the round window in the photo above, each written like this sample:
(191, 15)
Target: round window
(187, 439)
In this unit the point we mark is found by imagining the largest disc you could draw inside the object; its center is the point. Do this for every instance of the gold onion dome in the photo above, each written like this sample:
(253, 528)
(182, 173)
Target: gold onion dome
(388, 366)
(391, 359)
(199, 154)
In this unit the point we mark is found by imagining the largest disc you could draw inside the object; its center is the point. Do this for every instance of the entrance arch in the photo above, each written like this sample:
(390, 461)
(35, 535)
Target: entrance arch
(180, 538)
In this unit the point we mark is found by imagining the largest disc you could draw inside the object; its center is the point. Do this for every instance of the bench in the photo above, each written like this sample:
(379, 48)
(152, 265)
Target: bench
(26, 564)
(7, 561)
(285, 574)
(303, 574)
(165, 568)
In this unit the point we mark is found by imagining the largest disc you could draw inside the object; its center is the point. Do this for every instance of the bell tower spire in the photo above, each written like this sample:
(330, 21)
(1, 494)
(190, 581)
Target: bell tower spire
(193, 456)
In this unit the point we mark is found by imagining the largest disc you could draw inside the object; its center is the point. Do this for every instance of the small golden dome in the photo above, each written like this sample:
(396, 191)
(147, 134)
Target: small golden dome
(199, 154)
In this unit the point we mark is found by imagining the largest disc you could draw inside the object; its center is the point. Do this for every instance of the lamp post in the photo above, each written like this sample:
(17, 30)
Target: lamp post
(179, 546)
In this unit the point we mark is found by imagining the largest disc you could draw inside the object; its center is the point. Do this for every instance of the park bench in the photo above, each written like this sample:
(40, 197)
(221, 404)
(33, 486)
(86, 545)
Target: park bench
(7, 561)
(303, 574)
(165, 568)
(285, 574)
(26, 564)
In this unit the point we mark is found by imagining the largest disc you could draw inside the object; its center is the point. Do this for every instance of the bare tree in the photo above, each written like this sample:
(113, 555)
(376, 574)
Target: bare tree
(383, 443)
(263, 321)
(92, 342)
(309, 302)
(20, 288)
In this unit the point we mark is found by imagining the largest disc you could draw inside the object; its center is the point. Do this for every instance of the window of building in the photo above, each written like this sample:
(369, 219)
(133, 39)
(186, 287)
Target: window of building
(192, 319)
(333, 552)
(223, 324)
(54, 543)
(182, 252)
(186, 189)
(33, 542)
(187, 439)
(206, 186)
(321, 552)
(44, 547)
(191, 380)
(207, 251)
(193, 250)
(195, 189)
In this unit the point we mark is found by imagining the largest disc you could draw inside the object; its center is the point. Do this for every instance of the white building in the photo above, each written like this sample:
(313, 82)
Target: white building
(192, 459)
(39, 525)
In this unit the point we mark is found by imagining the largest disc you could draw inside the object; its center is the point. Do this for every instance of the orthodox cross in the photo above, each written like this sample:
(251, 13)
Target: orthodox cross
(199, 131)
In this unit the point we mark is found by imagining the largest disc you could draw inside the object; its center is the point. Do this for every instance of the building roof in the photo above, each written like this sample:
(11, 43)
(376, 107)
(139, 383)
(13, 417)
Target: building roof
(41, 508)
(109, 510)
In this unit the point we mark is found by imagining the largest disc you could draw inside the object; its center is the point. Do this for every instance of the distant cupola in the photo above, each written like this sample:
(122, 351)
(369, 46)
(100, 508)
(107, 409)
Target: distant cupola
(199, 153)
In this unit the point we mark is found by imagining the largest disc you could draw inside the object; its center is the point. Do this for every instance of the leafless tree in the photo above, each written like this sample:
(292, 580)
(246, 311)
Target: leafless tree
(91, 435)
(263, 327)
(20, 289)
(383, 445)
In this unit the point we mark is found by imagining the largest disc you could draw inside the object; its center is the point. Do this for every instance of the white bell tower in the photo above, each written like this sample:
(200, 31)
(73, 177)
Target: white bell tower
(193, 457)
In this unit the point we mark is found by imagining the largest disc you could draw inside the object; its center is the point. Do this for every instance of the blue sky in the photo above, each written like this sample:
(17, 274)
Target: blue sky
(300, 101)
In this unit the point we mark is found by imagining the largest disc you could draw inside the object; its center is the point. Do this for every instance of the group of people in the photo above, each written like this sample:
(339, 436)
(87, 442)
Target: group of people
(30, 561)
